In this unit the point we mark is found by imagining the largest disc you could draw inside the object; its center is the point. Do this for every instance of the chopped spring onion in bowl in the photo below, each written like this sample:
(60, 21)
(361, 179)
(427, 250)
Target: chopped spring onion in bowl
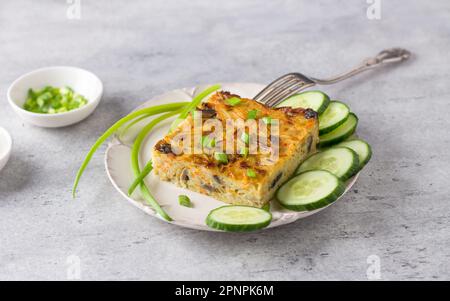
(49, 103)
(53, 100)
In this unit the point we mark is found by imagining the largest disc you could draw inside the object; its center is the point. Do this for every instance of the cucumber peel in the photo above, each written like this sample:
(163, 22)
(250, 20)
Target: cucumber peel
(341, 133)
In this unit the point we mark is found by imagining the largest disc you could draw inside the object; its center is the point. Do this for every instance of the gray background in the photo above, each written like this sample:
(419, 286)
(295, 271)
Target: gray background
(398, 210)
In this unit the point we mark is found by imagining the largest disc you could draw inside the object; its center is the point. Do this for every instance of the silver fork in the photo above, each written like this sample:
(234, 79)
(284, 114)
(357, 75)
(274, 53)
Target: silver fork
(292, 83)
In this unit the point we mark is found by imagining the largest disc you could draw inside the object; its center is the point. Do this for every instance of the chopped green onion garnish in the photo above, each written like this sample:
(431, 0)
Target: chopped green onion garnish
(50, 100)
(184, 200)
(245, 137)
(233, 101)
(251, 173)
(267, 120)
(221, 157)
(244, 151)
(252, 114)
(208, 141)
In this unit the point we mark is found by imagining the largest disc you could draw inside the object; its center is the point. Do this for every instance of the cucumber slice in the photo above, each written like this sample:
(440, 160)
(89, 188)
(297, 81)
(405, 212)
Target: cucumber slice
(341, 133)
(238, 218)
(335, 115)
(361, 147)
(316, 100)
(310, 190)
(340, 161)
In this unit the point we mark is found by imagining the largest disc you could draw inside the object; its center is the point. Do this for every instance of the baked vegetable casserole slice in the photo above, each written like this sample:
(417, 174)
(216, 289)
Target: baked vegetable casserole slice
(249, 175)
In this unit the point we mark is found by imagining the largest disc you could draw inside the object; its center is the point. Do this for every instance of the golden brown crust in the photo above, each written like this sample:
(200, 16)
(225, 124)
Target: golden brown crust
(298, 131)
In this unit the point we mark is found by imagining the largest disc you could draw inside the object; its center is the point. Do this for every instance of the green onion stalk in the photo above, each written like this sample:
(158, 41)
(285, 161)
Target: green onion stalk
(184, 113)
(129, 125)
(150, 111)
(182, 108)
(145, 171)
(135, 163)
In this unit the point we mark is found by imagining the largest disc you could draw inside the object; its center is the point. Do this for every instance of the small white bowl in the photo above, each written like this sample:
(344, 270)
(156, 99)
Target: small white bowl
(5, 147)
(81, 81)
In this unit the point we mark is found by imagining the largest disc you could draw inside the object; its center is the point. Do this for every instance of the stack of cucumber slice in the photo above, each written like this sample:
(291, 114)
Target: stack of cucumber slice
(319, 180)
(340, 162)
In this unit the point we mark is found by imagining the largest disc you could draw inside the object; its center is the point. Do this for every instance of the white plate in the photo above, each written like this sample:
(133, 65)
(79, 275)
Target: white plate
(117, 161)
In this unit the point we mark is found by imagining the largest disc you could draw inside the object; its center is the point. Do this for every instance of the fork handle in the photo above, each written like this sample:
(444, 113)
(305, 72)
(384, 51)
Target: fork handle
(387, 56)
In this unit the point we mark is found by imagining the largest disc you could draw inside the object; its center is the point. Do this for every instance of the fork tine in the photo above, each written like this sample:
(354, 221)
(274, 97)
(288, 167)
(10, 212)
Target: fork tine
(287, 84)
(283, 87)
(288, 93)
(273, 84)
(276, 97)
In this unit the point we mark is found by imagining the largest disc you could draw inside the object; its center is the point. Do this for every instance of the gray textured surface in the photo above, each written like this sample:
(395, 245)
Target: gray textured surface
(399, 209)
